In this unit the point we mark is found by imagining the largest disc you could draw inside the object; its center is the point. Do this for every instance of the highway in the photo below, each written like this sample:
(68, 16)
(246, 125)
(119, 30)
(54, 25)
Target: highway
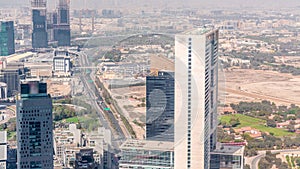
(256, 159)
(95, 100)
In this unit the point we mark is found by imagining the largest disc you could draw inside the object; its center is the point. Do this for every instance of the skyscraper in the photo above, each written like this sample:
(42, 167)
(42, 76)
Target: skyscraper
(39, 32)
(7, 38)
(62, 30)
(196, 68)
(160, 107)
(34, 126)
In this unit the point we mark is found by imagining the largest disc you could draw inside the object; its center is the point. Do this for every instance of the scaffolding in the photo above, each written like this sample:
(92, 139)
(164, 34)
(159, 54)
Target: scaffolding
(38, 3)
(63, 9)
(64, 4)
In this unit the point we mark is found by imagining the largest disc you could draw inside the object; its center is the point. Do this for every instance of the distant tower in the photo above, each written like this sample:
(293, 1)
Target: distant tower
(39, 33)
(62, 29)
(34, 126)
(7, 38)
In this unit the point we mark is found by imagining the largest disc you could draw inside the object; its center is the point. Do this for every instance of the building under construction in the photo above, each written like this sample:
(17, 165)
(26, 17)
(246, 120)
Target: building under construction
(61, 26)
(39, 20)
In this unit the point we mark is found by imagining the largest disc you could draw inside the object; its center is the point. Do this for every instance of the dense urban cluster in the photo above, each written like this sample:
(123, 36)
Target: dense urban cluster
(159, 88)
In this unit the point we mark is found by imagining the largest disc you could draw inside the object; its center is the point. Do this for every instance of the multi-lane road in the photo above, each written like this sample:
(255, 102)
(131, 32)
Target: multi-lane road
(254, 161)
(95, 100)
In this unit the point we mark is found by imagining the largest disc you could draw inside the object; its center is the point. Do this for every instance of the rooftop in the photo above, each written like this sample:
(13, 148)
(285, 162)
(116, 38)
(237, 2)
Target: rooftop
(37, 80)
(199, 31)
(229, 150)
(18, 57)
(148, 145)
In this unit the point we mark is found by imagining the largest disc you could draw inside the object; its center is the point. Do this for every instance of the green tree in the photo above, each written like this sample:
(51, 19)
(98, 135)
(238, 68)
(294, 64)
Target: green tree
(247, 166)
(234, 122)
(271, 123)
(298, 161)
(291, 128)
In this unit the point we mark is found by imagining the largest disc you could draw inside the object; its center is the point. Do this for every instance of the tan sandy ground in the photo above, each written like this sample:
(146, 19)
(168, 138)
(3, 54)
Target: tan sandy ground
(56, 89)
(257, 85)
(122, 96)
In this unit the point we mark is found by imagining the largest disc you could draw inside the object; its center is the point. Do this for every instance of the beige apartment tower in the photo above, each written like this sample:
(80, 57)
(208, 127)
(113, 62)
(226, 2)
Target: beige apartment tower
(196, 81)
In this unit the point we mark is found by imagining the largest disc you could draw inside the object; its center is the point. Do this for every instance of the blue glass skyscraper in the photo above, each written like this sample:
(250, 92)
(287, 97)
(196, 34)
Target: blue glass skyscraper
(62, 31)
(160, 107)
(39, 20)
(7, 38)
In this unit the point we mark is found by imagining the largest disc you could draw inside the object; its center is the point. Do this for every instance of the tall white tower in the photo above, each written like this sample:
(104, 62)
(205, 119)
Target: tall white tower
(196, 77)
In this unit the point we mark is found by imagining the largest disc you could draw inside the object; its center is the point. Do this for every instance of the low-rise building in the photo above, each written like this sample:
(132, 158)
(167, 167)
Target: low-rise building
(85, 159)
(227, 157)
(62, 63)
(254, 133)
(147, 154)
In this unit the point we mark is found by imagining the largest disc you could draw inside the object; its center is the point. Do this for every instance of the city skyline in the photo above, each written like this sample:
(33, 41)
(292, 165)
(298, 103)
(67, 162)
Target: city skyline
(150, 84)
(165, 3)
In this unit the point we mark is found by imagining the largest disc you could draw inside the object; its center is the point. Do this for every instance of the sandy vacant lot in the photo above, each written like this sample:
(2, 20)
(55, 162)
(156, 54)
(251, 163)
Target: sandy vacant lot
(128, 99)
(257, 85)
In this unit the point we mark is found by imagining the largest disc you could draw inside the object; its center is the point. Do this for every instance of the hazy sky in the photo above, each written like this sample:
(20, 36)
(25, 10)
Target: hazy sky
(165, 3)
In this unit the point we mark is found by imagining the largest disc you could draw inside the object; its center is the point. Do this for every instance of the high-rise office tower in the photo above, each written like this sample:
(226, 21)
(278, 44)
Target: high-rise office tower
(160, 107)
(51, 20)
(34, 126)
(196, 76)
(39, 32)
(62, 30)
(7, 38)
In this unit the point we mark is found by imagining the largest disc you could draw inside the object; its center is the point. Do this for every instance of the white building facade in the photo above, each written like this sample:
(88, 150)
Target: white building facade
(196, 76)
(3, 149)
(61, 63)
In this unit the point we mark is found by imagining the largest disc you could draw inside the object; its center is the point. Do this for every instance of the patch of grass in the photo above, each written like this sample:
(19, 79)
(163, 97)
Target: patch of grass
(259, 124)
(72, 120)
(288, 160)
(293, 161)
(139, 124)
(11, 135)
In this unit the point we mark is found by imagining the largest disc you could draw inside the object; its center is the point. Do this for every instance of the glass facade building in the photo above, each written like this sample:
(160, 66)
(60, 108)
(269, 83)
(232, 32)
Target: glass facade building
(7, 38)
(34, 127)
(160, 107)
(39, 20)
(227, 157)
(144, 154)
(11, 74)
(62, 30)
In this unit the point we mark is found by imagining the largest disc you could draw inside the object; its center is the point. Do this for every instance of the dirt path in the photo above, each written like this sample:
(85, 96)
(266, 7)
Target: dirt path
(262, 97)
